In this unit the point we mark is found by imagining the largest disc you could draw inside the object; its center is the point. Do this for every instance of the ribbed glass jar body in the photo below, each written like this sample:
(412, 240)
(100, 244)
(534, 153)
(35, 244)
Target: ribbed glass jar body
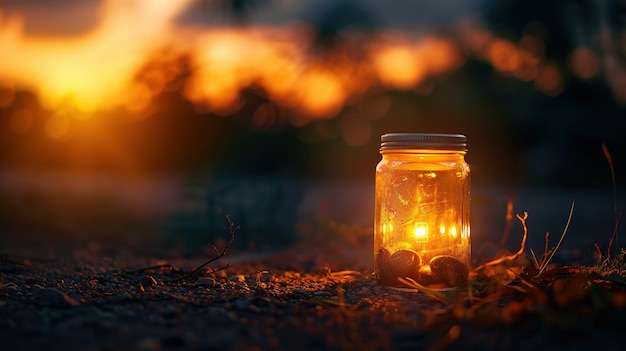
(422, 210)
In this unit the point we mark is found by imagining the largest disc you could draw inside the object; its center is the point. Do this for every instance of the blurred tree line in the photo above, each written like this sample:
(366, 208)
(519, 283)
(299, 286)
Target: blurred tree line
(516, 133)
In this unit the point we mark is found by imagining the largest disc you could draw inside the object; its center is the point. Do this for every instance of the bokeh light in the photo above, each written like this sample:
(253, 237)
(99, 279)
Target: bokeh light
(142, 72)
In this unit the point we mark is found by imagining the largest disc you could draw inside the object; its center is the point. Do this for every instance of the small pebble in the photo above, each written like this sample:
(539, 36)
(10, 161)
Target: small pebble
(237, 278)
(265, 277)
(56, 297)
(427, 277)
(222, 275)
(450, 270)
(206, 281)
(401, 264)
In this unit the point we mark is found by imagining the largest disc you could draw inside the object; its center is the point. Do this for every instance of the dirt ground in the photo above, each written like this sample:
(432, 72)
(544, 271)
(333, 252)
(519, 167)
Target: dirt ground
(305, 297)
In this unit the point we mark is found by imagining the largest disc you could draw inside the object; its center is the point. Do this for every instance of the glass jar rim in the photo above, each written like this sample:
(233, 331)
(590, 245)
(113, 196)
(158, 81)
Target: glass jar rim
(423, 141)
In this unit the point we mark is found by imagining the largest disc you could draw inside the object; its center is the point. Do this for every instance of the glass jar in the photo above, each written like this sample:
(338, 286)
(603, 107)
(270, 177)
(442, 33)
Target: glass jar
(422, 211)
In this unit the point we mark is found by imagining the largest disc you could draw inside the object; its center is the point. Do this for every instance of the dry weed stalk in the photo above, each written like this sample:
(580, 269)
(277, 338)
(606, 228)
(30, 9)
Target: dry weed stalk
(218, 254)
(549, 254)
(412, 284)
(609, 159)
(602, 258)
(568, 285)
(618, 217)
(512, 257)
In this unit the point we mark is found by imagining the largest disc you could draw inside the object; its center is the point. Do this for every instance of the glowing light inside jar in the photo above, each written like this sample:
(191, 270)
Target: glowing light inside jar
(422, 210)
(421, 232)
(453, 232)
(466, 233)
(387, 228)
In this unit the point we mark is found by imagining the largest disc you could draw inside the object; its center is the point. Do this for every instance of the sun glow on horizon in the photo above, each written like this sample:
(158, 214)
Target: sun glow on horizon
(91, 69)
(135, 51)
(97, 70)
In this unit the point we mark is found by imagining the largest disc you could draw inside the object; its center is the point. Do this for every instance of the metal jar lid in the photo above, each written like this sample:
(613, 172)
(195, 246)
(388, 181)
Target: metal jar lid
(425, 141)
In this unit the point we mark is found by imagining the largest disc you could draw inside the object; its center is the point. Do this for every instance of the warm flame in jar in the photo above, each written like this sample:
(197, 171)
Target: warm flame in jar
(421, 231)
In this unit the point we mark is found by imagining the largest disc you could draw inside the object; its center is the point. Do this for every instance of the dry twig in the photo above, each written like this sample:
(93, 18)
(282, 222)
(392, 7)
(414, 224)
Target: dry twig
(218, 254)
(515, 255)
(411, 283)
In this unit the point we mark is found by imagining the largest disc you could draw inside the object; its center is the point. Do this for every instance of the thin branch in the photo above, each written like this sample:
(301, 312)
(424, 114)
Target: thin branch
(518, 253)
(534, 257)
(231, 229)
(218, 254)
